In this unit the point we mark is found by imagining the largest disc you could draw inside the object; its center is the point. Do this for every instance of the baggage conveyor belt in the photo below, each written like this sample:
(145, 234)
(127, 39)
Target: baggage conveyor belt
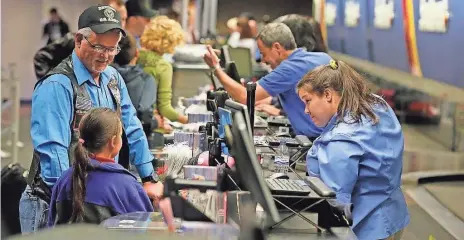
(450, 194)
(422, 225)
(434, 201)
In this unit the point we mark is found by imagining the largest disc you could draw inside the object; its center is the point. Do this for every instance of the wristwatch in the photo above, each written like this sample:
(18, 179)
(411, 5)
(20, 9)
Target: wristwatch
(149, 179)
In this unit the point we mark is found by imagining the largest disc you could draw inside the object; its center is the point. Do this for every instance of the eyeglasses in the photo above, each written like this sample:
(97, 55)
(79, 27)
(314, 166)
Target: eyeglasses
(101, 49)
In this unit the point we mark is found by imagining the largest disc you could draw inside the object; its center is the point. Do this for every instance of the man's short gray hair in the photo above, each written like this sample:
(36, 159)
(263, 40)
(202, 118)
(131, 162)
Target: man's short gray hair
(277, 32)
(86, 32)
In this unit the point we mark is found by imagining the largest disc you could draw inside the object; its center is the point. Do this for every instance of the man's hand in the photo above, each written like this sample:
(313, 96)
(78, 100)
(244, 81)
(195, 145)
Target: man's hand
(264, 101)
(211, 58)
(165, 208)
(269, 109)
(154, 190)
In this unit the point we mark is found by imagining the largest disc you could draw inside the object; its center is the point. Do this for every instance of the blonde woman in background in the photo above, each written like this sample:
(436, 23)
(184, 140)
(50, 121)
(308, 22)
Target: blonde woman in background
(162, 35)
(234, 36)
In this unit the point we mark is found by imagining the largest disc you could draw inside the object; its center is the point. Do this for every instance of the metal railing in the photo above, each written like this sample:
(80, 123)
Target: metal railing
(11, 106)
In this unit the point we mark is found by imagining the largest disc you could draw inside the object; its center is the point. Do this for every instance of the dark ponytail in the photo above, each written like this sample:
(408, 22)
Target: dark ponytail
(305, 30)
(95, 129)
(79, 177)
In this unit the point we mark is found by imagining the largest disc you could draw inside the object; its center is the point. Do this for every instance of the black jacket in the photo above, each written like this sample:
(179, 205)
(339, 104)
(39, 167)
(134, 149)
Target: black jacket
(142, 92)
(52, 54)
(47, 30)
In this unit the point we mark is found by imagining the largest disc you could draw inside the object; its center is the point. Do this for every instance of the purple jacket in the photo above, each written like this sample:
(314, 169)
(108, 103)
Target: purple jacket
(111, 190)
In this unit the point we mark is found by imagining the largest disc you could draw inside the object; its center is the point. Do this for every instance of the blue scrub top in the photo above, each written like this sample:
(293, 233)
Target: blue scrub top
(282, 82)
(363, 163)
(52, 113)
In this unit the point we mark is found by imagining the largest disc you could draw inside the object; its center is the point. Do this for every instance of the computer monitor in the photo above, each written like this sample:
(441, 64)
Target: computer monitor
(222, 57)
(213, 81)
(225, 118)
(243, 59)
(238, 107)
(248, 166)
(231, 70)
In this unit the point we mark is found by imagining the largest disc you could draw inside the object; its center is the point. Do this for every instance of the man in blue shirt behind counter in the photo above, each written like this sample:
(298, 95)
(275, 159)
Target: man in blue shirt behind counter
(79, 83)
(278, 48)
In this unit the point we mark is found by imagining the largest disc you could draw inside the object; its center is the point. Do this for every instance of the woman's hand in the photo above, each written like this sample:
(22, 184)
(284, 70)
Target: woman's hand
(155, 192)
(165, 208)
(163, 124)
(158, 118)
(183, 119)
(167, 128)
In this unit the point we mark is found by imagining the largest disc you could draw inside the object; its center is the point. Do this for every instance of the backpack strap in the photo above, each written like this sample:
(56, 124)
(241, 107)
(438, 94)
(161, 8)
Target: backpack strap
(113, 86)
(124, 153)
(82, 104)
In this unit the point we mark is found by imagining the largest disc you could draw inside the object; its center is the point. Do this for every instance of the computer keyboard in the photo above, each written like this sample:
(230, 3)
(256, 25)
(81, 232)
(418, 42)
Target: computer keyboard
(279, 120)
(288, 187)
(303, 141)
(261, 114)
(275, 141)
(260, 122)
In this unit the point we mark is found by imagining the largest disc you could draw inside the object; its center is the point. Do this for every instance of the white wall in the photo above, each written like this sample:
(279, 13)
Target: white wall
(21, 27)
(68, 9)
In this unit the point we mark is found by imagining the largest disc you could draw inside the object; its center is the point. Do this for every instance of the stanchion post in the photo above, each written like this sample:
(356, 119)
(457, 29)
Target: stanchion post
(251, 91)
(15, 90)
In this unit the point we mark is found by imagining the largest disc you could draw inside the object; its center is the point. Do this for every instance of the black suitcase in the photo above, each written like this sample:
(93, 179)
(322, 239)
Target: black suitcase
(13, 185)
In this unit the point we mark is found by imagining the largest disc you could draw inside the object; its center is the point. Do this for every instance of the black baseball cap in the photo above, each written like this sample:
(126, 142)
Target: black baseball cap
(101, 19)
(140, 8)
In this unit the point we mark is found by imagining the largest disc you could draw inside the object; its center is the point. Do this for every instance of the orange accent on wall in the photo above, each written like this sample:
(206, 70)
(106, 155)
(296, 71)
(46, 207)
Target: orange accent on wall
(410, 38)
(322, 22)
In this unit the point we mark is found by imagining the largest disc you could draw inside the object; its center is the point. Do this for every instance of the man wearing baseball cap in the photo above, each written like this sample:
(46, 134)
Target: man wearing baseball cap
(82, 81)
(139, 14)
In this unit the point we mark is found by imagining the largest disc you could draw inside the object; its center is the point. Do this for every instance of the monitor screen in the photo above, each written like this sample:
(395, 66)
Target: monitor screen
(248, 167)
(225, 118)
(243, 60)
(238, 107)
(231, 70)
(222, 57)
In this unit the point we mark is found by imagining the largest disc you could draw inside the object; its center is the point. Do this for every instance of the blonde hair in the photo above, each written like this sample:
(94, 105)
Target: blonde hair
(162, 35)
(232, 23)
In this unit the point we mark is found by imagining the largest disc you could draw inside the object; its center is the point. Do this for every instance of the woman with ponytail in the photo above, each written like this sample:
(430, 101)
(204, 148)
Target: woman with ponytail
(96, 187)
(360, 152)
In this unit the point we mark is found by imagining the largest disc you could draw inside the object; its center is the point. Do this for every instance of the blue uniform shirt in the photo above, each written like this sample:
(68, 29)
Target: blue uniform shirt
(362, 163)
(52, 113)
(137, 42)
(282, 82)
